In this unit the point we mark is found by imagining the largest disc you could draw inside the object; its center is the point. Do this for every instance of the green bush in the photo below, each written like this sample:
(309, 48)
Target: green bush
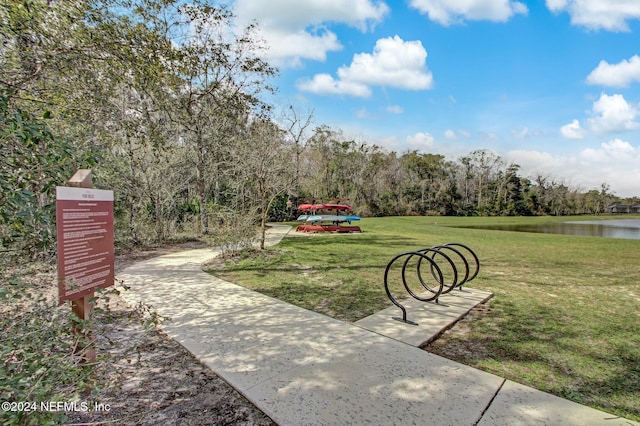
(231, 231)
(43, 347)
(33, 161)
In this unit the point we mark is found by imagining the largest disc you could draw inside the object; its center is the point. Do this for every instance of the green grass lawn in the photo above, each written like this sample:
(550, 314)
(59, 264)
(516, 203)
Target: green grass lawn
(565, 317)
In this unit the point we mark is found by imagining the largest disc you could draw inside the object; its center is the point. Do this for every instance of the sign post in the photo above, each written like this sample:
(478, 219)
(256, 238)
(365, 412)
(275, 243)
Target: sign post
(84, 221)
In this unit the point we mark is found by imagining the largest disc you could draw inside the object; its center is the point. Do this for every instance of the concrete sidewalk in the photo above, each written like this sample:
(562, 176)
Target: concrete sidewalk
(303, 368)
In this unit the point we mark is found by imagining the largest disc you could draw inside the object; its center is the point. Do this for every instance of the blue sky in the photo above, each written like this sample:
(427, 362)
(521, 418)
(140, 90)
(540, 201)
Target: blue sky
(553, 85)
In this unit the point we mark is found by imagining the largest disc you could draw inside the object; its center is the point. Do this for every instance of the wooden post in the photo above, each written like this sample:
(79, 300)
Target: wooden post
(82, 306)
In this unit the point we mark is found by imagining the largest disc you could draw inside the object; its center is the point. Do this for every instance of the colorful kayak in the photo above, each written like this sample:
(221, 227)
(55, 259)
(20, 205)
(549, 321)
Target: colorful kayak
(318, 218)
(331, 218)
(336, 207)
(328, 207)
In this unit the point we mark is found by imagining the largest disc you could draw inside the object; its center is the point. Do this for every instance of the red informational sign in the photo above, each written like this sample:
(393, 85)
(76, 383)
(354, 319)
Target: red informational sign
(84, 220)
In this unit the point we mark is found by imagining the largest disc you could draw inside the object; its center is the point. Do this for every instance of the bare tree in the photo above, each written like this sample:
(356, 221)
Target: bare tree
(297, 125)
(222, 78)
(485, 163)
(263, 161)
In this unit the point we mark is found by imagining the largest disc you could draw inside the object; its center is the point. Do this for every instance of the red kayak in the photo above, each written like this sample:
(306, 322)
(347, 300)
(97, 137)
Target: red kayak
(316, 207)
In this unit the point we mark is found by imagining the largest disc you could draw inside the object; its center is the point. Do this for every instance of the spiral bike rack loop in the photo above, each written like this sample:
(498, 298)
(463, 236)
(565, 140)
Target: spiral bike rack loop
(458, 255)
(436, 272)
(442, 286)
(447, 287)
(475, 260)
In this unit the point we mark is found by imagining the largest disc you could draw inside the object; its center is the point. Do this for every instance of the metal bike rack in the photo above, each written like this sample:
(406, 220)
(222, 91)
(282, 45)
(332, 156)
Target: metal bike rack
(433, 252)
(476, 261)
(435, 271)
(442, 286)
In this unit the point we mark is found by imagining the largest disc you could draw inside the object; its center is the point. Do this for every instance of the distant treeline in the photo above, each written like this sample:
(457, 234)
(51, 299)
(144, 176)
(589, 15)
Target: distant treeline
(381, 183)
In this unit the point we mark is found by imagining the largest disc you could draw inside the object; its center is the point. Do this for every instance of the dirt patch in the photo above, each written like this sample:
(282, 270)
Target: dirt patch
(455, 344)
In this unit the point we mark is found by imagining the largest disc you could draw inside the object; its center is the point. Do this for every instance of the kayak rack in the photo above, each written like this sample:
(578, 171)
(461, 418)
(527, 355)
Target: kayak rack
(448, 265)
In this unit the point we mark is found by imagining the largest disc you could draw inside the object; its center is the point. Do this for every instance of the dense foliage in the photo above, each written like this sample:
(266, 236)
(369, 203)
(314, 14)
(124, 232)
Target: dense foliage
(33, 161)
(381, 183)
(40, 361)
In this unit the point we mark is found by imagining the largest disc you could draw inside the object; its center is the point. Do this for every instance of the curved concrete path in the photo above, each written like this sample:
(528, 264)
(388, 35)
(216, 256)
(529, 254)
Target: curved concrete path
(303, 368)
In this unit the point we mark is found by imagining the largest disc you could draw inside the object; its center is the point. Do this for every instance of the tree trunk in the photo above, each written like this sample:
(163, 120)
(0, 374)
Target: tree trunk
(264, 205)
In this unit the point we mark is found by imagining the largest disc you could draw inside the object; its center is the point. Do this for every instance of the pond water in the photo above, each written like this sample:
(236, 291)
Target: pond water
(611, 228)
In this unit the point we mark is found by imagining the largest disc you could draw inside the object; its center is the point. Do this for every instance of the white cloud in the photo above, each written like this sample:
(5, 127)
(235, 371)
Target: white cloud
(572, 130)
(421, 141)
(288, 49)
(621, 150)
(362, 113)
(617, 75)
(395, 109)
(390, 143)
(535, 161)
(488, 136)
(611, 15)
(616, 163)
(393, 63)
(556, 5)
(615, 151)
(613, 114)
(447, 12)
(450, 134)
(296, 30)
(520, 134)
(325, 84)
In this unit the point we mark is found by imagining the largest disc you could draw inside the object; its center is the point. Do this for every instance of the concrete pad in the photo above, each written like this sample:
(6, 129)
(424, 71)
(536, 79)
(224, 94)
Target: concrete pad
(381, 383)
(516, 405)
(254, 355)
(432, 318)
(251, 343)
